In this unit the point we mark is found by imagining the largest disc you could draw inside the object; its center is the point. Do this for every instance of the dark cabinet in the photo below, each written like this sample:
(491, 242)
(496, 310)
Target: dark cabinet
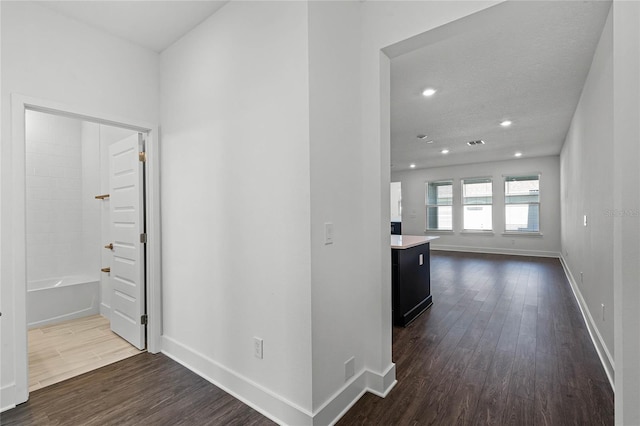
(411, 283)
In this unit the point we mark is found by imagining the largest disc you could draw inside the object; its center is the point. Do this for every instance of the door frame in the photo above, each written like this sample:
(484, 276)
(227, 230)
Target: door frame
(19, 105)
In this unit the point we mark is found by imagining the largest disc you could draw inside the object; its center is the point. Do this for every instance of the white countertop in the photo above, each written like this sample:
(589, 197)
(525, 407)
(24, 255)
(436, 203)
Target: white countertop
(408, 241)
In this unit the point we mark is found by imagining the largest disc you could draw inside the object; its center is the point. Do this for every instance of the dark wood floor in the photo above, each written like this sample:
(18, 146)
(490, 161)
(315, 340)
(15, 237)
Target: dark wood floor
(142, 390)
(504, 343)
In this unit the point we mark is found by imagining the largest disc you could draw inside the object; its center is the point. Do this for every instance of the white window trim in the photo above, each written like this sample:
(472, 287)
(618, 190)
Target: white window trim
(476, 231)
(537, 233)
(427, 205)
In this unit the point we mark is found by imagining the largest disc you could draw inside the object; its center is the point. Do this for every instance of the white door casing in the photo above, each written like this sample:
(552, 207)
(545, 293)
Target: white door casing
(127, 276)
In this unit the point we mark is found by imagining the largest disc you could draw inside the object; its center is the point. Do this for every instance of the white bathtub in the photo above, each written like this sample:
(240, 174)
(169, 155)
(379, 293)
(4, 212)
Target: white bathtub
(61, 299)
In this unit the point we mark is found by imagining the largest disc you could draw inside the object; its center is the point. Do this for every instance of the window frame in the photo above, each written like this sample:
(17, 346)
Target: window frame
(427, 205)
(464, 205)
(538, 203)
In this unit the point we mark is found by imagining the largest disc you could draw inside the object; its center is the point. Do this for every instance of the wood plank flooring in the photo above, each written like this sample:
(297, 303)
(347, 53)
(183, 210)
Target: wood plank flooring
(58, 352)
(142, 390)
(503, 344)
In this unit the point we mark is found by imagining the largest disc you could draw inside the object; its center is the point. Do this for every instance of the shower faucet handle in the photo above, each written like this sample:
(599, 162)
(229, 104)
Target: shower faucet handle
(109, 246)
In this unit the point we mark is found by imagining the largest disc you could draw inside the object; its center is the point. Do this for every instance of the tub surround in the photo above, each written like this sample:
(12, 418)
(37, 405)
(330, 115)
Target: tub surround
(410, 278)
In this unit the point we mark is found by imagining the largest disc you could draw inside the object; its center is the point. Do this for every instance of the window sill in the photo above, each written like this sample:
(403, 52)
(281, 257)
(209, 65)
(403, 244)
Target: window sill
(438, 231)
(468, 232)
(522, 234)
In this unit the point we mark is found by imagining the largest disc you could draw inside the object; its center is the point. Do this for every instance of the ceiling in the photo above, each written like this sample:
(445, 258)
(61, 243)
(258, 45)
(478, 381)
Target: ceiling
(525, 61)
(151, 24)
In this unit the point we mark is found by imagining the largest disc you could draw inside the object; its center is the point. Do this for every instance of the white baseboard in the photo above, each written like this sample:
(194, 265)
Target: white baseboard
(7, 397)
(603, 352)
(93, 310)
(271, 405)
(492, 250)
(253, 394)
(341, 401)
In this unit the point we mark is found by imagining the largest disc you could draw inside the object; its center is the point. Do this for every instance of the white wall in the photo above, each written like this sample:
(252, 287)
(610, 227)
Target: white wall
(587, 189)
(236, 203)
(340, 317)
(92, 246)
(54, 196)
(626, 198)
(47, 56)
(414, 214)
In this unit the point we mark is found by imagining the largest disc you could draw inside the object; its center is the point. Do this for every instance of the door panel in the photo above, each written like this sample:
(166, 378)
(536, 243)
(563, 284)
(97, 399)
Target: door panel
(127, 277)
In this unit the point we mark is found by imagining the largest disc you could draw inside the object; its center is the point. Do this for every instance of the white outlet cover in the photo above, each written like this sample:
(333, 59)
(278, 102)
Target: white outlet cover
(258, 347)
(328, 233)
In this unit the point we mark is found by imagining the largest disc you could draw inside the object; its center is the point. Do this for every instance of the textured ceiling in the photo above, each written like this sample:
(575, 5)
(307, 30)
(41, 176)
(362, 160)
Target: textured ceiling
(151, 24)
(520, 60)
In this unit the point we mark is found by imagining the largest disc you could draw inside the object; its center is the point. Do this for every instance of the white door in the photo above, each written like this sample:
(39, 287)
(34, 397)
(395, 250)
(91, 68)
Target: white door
(126, 195)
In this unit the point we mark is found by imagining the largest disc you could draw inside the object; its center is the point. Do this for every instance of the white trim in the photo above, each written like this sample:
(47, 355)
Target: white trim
(249, 392)
(440, 231)
(272, 405)
(488, 232)
(380, 384)
(606, 359)
(19, 104)
(522, 234)
(491, 250)
(341, 401)
(7, 397)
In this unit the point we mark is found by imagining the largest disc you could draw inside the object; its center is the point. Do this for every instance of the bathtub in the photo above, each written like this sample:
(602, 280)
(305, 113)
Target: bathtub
(61, 299)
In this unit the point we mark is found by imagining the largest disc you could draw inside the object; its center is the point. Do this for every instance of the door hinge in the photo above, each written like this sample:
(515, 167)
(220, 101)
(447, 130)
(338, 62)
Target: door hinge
(142, 156)
(143, 238)
(144, 319)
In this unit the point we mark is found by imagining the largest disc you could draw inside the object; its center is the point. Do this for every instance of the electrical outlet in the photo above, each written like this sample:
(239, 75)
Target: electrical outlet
(585, 220)
(602, 312)
(581, 278)
(257, 347)
(328, 233)
(349, 368)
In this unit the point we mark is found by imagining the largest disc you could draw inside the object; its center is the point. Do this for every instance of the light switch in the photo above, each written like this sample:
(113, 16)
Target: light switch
(585, 220)
(328, 233)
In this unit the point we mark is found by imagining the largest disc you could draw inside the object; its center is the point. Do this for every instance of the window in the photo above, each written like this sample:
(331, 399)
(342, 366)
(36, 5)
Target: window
(439, 205)
(522, 203)
(477, 200)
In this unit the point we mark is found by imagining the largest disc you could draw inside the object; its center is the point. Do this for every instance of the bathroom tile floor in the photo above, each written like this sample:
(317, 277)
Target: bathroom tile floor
(60, 351)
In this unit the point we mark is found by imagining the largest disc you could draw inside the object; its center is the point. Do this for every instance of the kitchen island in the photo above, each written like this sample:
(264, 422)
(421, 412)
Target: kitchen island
(410, 277)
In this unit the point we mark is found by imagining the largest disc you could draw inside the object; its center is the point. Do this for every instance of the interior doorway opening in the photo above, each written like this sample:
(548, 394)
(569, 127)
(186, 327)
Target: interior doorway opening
(73, 298)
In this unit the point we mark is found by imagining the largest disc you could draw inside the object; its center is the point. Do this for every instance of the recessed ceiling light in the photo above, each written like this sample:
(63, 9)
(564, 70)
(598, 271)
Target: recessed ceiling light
(517, 154)
(421, 136)
(431, 141)
(474, 143)
(506, 123)
(413, 166)
(429, 92)
(445, 151)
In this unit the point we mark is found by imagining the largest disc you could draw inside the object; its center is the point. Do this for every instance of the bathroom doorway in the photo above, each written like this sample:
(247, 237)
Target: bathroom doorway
(86, 297)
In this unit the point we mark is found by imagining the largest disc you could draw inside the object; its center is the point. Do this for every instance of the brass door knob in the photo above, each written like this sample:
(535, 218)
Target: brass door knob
(106, 269)
(109, 246)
